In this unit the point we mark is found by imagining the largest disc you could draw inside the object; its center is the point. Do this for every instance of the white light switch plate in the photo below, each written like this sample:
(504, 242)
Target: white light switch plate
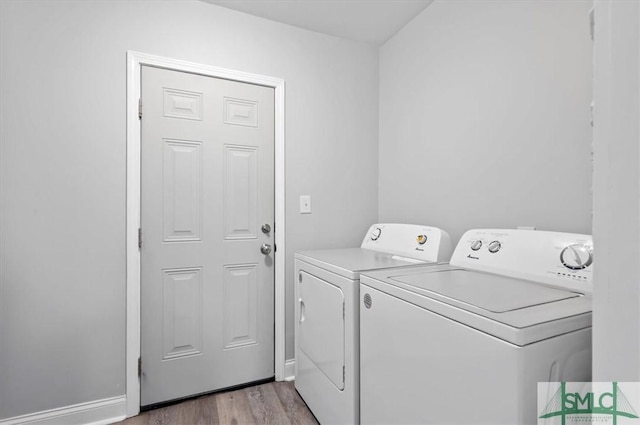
(305, 204)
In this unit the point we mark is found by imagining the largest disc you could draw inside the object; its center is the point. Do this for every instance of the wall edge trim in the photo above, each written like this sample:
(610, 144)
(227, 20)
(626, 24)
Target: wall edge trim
(95, 412)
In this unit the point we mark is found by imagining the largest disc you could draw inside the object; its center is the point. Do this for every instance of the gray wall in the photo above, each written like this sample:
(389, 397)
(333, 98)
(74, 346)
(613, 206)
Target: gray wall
(484, 117)
(62, 282)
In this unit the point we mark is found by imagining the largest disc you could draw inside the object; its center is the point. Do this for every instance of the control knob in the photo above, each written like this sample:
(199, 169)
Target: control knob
(476, 245)
(494, 247)
(576, 256)
(375, 233)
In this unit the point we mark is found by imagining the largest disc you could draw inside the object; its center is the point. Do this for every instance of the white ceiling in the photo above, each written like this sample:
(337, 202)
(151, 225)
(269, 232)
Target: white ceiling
(369, 21)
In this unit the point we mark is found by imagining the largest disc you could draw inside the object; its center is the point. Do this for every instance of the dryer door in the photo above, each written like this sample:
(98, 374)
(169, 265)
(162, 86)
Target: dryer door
(321, 326)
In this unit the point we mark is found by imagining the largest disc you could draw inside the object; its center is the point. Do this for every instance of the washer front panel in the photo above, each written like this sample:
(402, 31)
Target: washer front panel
(419, 367)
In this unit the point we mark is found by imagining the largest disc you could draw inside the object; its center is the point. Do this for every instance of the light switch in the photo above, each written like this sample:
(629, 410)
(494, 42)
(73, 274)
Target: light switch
(305, 204)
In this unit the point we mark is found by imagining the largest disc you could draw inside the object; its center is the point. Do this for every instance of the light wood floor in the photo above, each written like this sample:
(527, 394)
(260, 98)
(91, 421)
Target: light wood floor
(272, 403)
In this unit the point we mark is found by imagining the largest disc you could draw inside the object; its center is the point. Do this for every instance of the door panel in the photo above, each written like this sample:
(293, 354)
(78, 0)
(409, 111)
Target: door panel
(240, 307)
(240, 192)
(182, 313)
(207, 291)
(321, 326)
(182, 182)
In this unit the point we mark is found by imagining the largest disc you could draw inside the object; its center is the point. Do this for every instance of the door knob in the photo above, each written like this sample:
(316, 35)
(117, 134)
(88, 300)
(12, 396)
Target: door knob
(265, 249)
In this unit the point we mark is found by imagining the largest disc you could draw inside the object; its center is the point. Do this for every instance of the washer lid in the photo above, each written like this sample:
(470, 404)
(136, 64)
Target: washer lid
(350, 262)
(493, 293)
(515, 310)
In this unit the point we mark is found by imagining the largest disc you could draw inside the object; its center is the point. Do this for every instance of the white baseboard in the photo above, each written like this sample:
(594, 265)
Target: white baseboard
(289, 370)
(99, 412)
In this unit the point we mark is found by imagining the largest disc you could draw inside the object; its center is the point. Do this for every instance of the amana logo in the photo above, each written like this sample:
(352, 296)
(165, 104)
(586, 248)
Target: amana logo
(588, 402)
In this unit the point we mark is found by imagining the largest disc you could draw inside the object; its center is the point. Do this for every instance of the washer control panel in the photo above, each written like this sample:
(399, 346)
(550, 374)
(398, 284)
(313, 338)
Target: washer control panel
(560, 259)
(577, 256)
(409, 240)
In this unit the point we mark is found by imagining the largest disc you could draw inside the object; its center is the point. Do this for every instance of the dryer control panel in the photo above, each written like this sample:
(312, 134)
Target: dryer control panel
(409, 240)
(556, 258)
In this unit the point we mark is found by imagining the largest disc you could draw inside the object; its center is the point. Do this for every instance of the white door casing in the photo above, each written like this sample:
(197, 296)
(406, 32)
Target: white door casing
(616, 188)
(135, 61)
(207, 318)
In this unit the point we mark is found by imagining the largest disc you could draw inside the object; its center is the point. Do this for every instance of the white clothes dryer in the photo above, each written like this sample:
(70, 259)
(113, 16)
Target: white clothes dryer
(327, 316)
(467, 343)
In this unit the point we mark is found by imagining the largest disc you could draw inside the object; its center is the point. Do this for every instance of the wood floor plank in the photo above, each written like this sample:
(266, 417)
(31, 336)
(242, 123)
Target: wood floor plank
(163, 416)
(136, 420)
(233, 408)
(190, 412)
(276, 403)
(266, 406)
(206, 410)
(297, 410)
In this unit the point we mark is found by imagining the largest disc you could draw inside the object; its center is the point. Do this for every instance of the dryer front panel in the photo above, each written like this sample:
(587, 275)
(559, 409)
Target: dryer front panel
(321, 326)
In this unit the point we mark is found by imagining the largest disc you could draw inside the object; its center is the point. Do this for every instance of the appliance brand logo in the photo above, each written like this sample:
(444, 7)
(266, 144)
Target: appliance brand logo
(588, 402)
(472, 257)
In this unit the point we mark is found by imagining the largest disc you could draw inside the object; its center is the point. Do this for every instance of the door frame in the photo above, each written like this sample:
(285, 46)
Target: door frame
(135, 61)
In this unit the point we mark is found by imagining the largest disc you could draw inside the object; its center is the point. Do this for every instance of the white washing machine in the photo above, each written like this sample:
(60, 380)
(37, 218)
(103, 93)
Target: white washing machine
(467, 343)
(326, 326)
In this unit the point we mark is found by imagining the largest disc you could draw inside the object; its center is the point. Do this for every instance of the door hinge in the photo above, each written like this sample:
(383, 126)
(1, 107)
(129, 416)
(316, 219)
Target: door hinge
(140, 108)
(139, 367)
(139, 238)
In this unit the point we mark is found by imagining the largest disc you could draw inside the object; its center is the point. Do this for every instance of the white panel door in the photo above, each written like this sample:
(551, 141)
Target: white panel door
(207, 289)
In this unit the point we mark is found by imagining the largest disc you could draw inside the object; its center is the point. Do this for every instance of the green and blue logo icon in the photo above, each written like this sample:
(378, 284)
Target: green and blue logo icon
(588, 402)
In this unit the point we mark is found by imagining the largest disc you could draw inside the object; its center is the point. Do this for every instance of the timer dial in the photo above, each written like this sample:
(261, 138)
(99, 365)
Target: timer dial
(421, 239)
(576, 256)
(375, 233)
(494, 247)
(476, 245)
